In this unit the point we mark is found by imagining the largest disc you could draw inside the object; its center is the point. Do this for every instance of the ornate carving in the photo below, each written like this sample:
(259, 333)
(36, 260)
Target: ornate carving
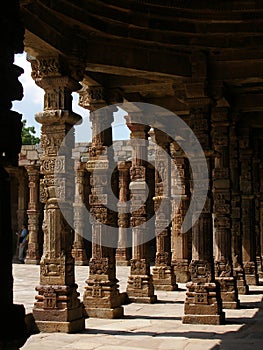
(99, 266)
(200, 271)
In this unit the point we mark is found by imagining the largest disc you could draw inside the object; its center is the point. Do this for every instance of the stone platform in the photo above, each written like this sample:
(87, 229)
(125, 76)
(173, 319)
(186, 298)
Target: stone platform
(147, 326)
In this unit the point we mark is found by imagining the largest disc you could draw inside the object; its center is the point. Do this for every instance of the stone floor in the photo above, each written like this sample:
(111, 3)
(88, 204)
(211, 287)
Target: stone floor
(156, 326)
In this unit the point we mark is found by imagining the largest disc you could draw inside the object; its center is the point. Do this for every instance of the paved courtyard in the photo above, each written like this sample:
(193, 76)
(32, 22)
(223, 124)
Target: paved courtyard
(156, 326)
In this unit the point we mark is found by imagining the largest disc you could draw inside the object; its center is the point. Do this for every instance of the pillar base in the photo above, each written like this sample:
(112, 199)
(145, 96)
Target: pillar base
(61, 327)
(228, 292)
(204, 319)
(242, 286)
(105, 312)
(251, 274)
(145, 300)
(58, 309)
(140, 289)
(101, 298)
(203, 304)
(164, 278)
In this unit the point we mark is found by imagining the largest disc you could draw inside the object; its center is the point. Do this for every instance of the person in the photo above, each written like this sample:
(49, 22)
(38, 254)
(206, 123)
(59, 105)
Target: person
(23, 241)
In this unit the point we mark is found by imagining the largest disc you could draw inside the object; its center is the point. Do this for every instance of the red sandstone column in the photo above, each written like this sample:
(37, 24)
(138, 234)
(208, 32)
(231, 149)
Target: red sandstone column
(140, 284)
(221, 208)
(203, 302)
(33, 253)
(123, 251)
(247, 208)
(80, 213)
(163, 272)
(57, 308)
(101, 297)
(256, 190)
(238, 268)
(180, 190)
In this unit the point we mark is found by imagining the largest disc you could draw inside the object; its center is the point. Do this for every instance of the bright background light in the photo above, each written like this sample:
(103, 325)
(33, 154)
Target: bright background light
(33, 102)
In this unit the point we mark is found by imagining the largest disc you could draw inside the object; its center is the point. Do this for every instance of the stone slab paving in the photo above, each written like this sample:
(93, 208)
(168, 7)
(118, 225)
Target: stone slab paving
(144, 326)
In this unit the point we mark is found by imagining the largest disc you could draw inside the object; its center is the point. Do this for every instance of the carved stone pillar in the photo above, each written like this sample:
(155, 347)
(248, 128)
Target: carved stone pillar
(123, 251)
(247, 208)
(256, 190)
(163, 272)
(140, 284)
(13, 332)
(203, 302)
(101, 297)
(221, 208)
(33, 252)
(57, 308)
(80, 210)
(22, 197)
(261, 208)
(236, 239)
(180, 190)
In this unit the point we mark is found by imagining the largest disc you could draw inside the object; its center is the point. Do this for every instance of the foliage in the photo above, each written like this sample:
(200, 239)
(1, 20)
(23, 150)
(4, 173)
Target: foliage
(28, 137)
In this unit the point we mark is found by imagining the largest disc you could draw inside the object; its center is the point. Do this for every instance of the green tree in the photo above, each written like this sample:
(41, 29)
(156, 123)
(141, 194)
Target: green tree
(28, 137)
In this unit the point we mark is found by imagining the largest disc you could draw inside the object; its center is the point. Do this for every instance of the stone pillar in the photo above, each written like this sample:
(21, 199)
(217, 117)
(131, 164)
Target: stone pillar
(163, 272)
(203, 302)
(22, 197)
(13, 332)
(123, 251)
(33, 252)
(57, 308)
(261, 208)
(256, 190)
(140, 284)
(180, 190)
(221, 206)
(247, 208)
(236, 239)
(80, 213)
(101, 297)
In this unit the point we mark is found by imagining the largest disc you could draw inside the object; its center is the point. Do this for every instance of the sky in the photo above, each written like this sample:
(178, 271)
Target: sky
(33, 102)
